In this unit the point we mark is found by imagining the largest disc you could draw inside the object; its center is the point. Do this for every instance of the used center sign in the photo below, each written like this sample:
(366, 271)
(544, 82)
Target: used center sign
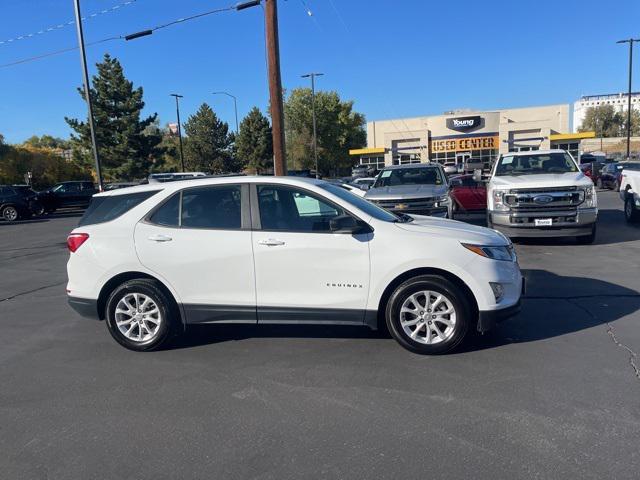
(464, 144)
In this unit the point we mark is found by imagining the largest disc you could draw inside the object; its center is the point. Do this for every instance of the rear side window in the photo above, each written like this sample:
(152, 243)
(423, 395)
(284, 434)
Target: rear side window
(217, 207)
(104, 209)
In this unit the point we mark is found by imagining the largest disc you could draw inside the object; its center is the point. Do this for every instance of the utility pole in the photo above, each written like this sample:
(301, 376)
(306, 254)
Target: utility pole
(313, 114)
(235, 105)
(87, 92)
(179, 127)
(275, 87)
(630, 41)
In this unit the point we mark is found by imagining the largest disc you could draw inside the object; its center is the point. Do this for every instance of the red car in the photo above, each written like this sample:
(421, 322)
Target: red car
(467, 194)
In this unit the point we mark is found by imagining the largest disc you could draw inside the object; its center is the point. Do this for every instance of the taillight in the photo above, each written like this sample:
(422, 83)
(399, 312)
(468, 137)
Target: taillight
(74, 240)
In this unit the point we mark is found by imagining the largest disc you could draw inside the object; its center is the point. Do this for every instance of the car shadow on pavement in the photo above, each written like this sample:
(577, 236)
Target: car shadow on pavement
(572, 298)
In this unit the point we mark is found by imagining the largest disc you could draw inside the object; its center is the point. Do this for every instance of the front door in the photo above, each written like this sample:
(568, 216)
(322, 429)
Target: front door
(461, 160)
(304, 272)
(199, 241)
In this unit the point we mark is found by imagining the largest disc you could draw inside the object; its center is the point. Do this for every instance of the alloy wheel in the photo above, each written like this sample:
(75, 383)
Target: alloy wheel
(428, 317)
(10, 214)
(138, 317)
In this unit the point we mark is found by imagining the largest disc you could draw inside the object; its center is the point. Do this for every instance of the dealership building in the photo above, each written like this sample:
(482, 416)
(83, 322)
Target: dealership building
(468, 136)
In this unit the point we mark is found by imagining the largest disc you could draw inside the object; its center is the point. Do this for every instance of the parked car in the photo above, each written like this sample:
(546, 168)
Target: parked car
(467, 194)
(630, 192)
(31, 197)
(361, 171)
(420, 188)
(364, 183)
(152, 259)
(14, 204)
(610, 176)
(116, 185)
(67, 194)
(451, 168)
(541, 193)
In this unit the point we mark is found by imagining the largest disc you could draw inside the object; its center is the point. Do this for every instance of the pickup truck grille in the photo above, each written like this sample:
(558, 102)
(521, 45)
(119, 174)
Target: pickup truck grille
(544, 199)
(408, 204)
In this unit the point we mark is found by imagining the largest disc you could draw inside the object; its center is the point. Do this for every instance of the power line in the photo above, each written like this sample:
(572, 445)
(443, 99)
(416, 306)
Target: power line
(59, 26)
(120, 37)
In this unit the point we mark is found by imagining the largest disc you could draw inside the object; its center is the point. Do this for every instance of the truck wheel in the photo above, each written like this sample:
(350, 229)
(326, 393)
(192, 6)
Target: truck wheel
(428, 315)
(599, 184)
(587, 239)
(10, 213)
(631, 213)
(139, 315)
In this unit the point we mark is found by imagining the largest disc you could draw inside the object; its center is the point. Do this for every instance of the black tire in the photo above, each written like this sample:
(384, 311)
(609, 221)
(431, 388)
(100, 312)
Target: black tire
(10, 213)
(616, 186)
(440, 286)
(587, 239)
(37, 209)
(599, 184)
(631, 213)
(168, 313)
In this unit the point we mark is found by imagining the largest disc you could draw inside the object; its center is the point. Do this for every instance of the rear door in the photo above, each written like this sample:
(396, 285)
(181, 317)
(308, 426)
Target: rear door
(305, 272)
(199, 241)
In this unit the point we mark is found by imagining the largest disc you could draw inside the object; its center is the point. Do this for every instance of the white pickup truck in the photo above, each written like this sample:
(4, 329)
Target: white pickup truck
(541, 193)
(630, 191)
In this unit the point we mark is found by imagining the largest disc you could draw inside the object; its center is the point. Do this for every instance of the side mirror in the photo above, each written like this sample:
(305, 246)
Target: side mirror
(346, 224)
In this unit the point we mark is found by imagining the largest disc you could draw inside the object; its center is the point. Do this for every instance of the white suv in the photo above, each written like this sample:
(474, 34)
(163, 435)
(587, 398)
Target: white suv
(154, 258)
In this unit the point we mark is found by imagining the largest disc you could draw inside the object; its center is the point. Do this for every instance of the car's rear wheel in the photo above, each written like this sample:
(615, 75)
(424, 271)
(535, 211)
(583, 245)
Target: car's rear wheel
(429, 315)
(631, 213)
(37, 209)
(140, 316)
(616, 186)
(10, 213)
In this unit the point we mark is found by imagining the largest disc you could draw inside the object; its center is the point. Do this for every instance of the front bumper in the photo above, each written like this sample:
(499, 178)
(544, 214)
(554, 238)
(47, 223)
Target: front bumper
(488, 319)
(85, 307)
(565, 223)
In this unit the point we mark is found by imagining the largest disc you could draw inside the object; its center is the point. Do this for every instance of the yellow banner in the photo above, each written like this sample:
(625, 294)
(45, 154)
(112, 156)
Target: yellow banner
(464, 144)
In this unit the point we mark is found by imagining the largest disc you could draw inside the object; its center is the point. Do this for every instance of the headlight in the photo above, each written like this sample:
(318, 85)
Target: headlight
(590, 198)
(498, 200)
(442, 201)
(505, 253)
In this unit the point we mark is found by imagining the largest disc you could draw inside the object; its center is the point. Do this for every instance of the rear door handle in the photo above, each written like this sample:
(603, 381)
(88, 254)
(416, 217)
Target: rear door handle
(271, 242)
(160, 238)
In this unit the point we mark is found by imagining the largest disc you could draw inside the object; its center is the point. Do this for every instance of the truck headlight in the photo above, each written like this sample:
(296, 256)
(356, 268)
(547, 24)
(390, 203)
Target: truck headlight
(498, 200)
(590, 198)
(442, 201)
(505, 253)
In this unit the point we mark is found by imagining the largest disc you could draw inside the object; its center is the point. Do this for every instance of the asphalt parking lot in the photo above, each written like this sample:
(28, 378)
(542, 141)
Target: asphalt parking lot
(554, 393)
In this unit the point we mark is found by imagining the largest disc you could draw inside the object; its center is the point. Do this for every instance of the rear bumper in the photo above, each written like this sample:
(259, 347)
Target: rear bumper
(85, 307)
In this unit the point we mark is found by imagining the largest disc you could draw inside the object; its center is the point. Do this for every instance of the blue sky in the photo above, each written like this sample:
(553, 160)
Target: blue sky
(393, 58)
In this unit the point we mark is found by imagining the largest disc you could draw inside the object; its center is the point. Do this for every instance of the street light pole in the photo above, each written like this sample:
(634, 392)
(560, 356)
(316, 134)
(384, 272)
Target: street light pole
(87, 92)
(179, 127)
(630, 41)
(235, 105)
(313, 114)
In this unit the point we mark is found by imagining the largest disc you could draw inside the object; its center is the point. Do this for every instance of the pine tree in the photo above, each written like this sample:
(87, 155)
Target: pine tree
(208, 145)
(255, 143)
(126, 146)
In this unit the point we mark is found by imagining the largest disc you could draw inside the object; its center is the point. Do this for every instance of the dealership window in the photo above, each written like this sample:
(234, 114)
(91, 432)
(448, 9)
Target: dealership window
(404, 158)
(571, 147)
(523, 148)
(375, 162)
(443, 157)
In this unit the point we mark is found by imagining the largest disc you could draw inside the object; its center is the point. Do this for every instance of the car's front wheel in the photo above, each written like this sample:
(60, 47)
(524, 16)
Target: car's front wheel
(139, 315)
(428, 315)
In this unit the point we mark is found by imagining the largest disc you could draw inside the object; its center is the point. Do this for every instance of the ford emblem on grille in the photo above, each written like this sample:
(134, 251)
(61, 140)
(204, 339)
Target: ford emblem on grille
(543, 199)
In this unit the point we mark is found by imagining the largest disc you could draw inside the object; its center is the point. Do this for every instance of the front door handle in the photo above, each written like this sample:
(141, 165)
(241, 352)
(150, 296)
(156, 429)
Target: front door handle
(160, 238)
(271, 242)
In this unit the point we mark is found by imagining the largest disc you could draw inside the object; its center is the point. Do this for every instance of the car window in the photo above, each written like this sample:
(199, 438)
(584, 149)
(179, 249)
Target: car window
(366, 206)
(67, 188)
(212, 207)
(104, 209)
(536, 163)
(167, 214)
(409, 176)
(291, 209)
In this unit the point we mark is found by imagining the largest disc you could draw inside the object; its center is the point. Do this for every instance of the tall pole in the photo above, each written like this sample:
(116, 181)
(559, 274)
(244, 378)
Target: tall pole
(313, 115)
(235, 105)
(630, 41)
(87, 92)
(275, 87)
(179, 127)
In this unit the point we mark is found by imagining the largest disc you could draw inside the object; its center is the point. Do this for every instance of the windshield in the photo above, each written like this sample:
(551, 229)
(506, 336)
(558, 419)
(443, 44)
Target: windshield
(360, 203)
(536, 163)
(409, 176)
